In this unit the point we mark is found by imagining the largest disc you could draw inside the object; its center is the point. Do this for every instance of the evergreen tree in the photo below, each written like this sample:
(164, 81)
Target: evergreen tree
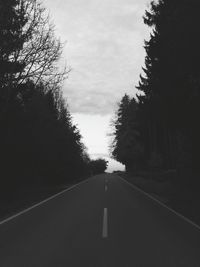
(12, 39)
(39, 142)
(127, 147)
(170, 85)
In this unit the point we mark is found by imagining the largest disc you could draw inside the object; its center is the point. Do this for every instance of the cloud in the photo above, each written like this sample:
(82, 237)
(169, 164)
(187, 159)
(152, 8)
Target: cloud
(94, 102)
(104, 49)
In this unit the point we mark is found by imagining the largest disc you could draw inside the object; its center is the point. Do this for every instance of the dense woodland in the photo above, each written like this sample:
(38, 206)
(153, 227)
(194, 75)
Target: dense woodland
(158, 129)
(39, 143)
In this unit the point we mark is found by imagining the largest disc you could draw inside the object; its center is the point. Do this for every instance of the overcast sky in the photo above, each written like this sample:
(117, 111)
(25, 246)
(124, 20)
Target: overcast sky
(104, 47)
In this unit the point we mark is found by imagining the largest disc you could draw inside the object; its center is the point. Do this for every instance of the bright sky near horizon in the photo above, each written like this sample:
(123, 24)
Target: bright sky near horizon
(104, 48)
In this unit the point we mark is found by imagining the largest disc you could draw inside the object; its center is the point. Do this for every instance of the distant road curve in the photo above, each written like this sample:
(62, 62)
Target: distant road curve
(103, 221)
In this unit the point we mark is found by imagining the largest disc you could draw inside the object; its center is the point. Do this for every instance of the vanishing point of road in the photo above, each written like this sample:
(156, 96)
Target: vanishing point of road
(101, 222)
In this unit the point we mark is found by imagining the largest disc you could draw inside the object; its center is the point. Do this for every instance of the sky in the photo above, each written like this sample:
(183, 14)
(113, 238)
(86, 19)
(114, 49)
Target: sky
(104, 42)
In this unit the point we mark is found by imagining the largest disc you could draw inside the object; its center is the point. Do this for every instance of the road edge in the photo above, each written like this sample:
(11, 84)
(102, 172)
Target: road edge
(161, 204)
(42, 202)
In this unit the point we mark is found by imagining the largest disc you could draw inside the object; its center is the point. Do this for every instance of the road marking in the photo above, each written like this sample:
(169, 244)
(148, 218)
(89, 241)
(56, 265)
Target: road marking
(106, 188)
(161, 204)
(105, 223)
(42, 202)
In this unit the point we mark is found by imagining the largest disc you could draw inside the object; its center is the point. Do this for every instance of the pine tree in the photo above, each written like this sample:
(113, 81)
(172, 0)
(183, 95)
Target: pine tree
(127, 147)
(12, 21)
(37, 136)
(170, 83)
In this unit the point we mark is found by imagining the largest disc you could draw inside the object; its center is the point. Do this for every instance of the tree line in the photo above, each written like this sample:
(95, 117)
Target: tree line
(159, 129)
(39, 143)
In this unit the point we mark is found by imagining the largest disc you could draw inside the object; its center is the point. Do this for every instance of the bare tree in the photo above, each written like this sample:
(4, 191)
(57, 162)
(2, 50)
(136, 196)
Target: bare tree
(41, 50)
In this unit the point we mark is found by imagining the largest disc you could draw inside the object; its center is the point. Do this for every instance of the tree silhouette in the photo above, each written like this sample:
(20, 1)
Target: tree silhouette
(12, 39)
(29, 48)
(39, 143)
(164, 122)
(126, 146)
(98, 166)
(170, 85)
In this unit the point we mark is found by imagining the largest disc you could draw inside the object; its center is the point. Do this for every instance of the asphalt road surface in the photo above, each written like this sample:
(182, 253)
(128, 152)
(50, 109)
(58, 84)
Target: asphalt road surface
(102, 222)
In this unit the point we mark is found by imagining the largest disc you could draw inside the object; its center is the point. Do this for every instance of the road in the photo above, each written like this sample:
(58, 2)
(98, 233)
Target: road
(102, 222)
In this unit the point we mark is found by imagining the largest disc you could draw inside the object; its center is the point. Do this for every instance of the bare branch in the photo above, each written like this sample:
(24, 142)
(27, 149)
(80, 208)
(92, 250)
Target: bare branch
(41, 50)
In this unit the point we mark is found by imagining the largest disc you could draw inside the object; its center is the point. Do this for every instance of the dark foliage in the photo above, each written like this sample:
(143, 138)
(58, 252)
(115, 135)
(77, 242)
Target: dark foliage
(39, 143)
(98, 166)
(169, 95)
(127, 147)
(171, 84)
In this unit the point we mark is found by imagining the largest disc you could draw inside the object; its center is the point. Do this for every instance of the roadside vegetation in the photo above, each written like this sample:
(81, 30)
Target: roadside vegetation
(41, 149)
(156, 134)
(98, 166)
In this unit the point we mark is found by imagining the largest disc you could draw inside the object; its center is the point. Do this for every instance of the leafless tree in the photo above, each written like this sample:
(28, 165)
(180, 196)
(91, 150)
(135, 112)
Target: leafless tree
(41, 50)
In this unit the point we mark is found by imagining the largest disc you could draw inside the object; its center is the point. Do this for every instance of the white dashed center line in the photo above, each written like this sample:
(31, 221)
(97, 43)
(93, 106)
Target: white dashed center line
(105, 223)
(106, 187)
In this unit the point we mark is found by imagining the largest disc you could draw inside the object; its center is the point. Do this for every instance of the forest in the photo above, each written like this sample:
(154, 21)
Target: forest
(155, 132)
(58, 205)
(158, 130)
(40, 145)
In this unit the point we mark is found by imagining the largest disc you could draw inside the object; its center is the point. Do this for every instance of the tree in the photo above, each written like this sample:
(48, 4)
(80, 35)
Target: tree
(29, 49)
(126, 146)
(170, 84)
(12, 39)
(41, 50)
(98, 166)
(39, 142)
